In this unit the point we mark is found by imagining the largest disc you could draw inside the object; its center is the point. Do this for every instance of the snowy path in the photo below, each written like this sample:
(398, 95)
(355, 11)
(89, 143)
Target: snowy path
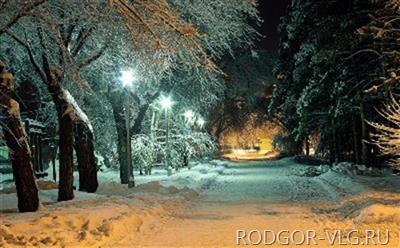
(163, 212)
(253, 196)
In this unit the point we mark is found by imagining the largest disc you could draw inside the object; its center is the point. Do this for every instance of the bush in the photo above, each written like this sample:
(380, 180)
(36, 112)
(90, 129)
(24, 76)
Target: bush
(148, 151)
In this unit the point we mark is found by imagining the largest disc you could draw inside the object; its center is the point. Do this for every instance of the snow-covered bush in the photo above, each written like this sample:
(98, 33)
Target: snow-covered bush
(148, 151)
(193, 145)
(199, 145)
(145, 151)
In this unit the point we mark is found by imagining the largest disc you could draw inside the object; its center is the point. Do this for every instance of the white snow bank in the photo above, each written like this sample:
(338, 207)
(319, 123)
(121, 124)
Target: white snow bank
(90, 219)
(8, 201)
(343, 168)
(196, 177)
(41, 183)
(342, 184)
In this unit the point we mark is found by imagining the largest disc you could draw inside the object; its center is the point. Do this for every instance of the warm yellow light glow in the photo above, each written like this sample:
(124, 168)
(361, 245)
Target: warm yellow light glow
(252, 142)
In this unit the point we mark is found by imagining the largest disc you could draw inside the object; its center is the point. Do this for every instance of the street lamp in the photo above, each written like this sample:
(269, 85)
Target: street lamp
(166, 103)
(127, 78)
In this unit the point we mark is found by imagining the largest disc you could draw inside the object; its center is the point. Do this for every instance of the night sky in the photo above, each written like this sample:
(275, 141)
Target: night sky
(271, 11)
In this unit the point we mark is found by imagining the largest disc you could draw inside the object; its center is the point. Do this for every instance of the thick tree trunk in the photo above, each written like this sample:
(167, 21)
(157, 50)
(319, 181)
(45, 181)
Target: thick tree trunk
(120, 123)
(86, 159)
(294, 147)
(66, 132)
(65, 185)
(15, 136)
(27, 191)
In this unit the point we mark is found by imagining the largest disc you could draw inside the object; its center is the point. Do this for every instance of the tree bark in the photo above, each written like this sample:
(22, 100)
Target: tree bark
(65, 186)
(117, 104)
(120, 123)
(84, 149)
(27, 191)
(66, 132)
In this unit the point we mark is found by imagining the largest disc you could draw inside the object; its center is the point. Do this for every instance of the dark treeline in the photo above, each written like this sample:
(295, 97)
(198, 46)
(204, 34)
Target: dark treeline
(336, 67)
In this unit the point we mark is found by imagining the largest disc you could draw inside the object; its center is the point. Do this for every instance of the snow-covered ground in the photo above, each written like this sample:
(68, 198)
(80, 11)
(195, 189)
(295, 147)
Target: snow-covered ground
(204, 206)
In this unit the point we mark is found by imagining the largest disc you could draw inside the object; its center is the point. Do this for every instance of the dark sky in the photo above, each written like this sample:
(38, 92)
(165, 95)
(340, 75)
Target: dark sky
(271, 11)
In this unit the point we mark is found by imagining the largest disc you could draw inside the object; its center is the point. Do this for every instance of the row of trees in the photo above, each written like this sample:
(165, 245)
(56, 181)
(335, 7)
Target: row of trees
(73, 52)
(338, 61)
(249, 81)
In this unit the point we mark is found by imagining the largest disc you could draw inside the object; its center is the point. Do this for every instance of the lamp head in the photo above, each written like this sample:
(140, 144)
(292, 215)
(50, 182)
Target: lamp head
(127, 78)
(166, 102)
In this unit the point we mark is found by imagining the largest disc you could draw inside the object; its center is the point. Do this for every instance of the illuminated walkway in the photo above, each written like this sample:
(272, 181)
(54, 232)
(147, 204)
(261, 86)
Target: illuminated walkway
(252, 196)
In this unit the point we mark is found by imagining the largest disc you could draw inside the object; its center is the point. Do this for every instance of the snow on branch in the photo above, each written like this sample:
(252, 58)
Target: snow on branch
(74, 109)
(149, 150)
(387, 137)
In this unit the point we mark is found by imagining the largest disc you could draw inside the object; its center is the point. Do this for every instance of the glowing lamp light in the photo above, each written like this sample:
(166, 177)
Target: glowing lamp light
(166, 102)
(127, 78)
(201, 122)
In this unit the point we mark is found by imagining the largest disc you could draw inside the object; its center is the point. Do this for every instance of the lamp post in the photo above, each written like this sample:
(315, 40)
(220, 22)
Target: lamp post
(127, 78)
(166, 104)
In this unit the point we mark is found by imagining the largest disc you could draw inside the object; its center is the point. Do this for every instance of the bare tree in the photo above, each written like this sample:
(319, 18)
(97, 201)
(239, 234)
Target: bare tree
(61, 36)
(16, 140)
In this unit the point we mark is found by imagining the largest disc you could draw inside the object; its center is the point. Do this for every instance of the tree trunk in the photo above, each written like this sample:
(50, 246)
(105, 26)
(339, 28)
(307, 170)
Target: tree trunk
(65, 185)
(66, 132)
(84, 150)
(356, 142)
(120, 123)
(364, 135)
(294, 147)
(332, 145)
(307, 146)
(27, 192)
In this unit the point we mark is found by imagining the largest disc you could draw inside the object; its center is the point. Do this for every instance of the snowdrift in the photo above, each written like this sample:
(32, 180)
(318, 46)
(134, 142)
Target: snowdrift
(92, 219)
